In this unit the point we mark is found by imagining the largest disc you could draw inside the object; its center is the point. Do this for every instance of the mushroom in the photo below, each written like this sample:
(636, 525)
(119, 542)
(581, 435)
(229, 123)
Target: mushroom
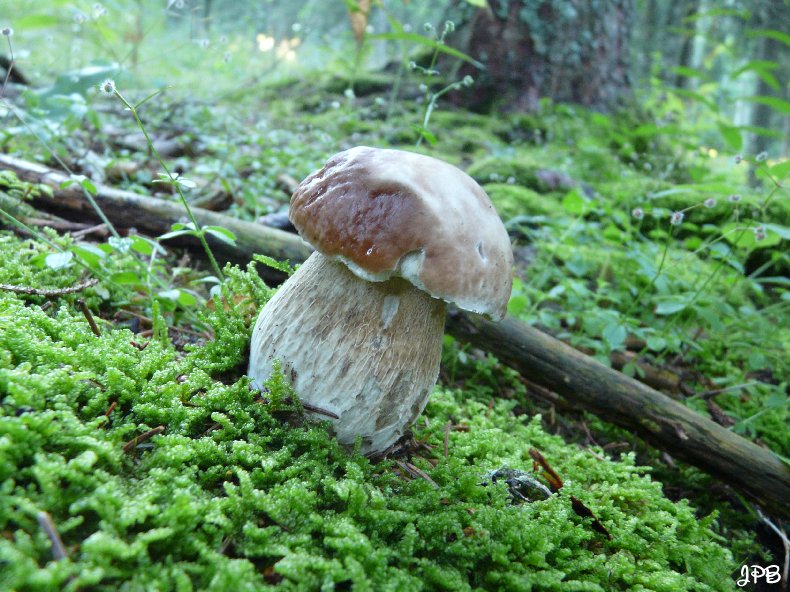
(358, 327)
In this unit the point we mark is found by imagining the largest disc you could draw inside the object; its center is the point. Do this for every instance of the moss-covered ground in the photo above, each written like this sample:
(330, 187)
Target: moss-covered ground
(239, 492)
(161, 469)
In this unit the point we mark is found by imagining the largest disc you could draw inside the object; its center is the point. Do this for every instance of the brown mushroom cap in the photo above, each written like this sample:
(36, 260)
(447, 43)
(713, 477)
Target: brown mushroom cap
(388, 213)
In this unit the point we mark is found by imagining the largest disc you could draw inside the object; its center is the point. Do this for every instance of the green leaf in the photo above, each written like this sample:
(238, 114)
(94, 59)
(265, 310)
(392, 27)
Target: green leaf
(516, 305)
(88, 186)
(672, 304)
(756, 66)
(176, 233)
(187, 183)
(781, 170)
(419, 39)
(426, 134)
(186, 298)
(126, 278)
(719, 12)
(782, 231)
(656, 343)
(614, 334)
(775, 103)
(689, 72)
(89, 253)
(149, 97)
(59, 260)
(574, 203)
(477, 3)
(36, 21)
(771, 33)
(223, 234)
(732, 135)
(697, 97)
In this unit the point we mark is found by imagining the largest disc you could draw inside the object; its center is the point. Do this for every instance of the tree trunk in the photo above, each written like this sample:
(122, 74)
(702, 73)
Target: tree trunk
(570, 51)
(685, 56)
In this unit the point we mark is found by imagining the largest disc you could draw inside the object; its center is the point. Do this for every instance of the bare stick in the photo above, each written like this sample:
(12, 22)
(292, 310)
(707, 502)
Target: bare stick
(89, 317)
(49, 292)
(131, 444)
(48, 526)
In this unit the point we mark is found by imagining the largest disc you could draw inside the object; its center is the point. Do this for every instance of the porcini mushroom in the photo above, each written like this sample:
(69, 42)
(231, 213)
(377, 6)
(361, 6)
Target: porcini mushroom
(358, 328)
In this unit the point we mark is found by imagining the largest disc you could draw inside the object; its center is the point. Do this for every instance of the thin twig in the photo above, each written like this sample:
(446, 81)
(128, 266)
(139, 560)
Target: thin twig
(320, 410)
(49, 528)
(415, 472)
(49, 292)
(785, 543)
(131, 444)
(89, 317)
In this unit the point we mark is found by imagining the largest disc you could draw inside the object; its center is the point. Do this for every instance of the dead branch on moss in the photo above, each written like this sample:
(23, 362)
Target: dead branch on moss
(49, 528)
(137, 440)
(48, 292)
(156, 216)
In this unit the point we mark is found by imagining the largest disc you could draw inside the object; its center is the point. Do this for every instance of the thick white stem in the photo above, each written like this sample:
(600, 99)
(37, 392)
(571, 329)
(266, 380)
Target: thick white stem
(366, 351)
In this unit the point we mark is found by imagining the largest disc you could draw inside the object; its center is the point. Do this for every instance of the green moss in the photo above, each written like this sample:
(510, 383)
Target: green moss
(521, 170)
(240, 492)
(515, 200)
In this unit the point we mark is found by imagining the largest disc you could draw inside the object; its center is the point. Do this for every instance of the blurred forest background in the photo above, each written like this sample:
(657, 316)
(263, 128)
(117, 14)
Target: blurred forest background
(718, 64)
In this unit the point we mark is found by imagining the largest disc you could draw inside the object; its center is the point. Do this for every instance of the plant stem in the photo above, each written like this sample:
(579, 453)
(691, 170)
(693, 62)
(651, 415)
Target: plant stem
(655, 277)
(198, 230)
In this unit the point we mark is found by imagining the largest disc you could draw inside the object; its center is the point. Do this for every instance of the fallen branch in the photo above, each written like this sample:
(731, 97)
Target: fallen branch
(48, 292)
(156, 216)
(49, 528)
(623, 401)
(540, 358)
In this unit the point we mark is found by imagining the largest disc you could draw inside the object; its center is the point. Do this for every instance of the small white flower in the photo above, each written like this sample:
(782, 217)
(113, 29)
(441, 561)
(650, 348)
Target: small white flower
(677, 218)
(223, 39)
(107, 87)
(226, 57)
(335, 104)
(423, 88)
(734, 198)
(762, 157)
(449, 26)
(80, 18)
(710, 203)
(638, 213)
(428, 27)
(296, 27)
(511, 180)
(412, 65)
(468, 80)
(98, 10)
(7, 31)
(759, 233)
(349, 93)
(738, 159)
(203, 43)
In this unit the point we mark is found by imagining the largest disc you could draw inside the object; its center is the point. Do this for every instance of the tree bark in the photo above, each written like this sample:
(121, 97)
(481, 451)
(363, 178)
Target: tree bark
(573, 51)
(540, 358)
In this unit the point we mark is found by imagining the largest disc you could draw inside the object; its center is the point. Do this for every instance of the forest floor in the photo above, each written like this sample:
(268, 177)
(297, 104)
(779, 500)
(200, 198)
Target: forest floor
(140, 442)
